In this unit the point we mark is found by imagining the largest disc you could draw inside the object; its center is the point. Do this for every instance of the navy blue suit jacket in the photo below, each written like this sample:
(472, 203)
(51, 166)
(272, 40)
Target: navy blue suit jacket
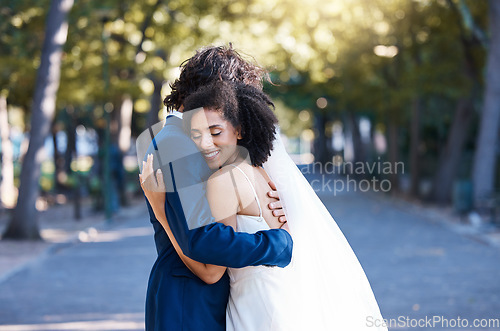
(176, 298)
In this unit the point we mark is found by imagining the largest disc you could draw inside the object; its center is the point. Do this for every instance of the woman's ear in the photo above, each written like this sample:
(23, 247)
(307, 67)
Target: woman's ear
(238, 130)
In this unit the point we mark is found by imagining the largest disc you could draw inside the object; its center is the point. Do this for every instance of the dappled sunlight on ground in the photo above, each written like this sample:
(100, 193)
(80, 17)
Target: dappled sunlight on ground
(93, 235)
(114, 235)
(58, 226)
(93, 321)
(56, 235)
(83, 325)
(90, 325)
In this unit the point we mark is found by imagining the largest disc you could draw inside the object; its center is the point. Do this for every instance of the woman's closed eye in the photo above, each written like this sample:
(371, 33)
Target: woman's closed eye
(198, 136)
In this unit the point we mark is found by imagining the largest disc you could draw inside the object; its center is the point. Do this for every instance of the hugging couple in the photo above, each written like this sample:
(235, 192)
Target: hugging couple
(243, 241)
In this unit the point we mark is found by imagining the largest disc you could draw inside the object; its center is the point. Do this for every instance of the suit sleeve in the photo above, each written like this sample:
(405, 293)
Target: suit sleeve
(204, 240)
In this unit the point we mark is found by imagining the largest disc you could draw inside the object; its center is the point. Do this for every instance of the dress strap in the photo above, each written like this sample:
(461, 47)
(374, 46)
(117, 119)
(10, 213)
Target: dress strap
(251, 185)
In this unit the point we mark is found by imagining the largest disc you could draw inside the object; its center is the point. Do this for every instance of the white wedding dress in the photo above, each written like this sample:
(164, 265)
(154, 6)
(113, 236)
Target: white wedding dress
(323, 289)
(257, 294)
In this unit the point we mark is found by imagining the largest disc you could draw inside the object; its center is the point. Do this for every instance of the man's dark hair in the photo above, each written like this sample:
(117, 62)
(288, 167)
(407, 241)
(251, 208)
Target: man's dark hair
(243, 106)
(213, 64)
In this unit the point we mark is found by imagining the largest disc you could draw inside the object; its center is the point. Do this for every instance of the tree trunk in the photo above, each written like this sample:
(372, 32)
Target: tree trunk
(23, 224)
(450, 157)
(124, 137)
(71, 155)
(485, 158)
(393, 152)
(357, 143)
(8, 192)
(59, 172)
(156, 103)
(77, 189)
(414, 147)
(320, 148)
(70, 139)
(449, 160)
(125, 131)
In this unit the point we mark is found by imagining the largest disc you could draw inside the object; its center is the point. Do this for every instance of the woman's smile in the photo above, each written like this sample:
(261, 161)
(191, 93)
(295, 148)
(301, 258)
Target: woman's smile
(211, 155)
(215, 137)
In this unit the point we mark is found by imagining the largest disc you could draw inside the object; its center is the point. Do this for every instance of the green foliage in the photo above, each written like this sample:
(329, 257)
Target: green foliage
(313, 48)
(21, 36)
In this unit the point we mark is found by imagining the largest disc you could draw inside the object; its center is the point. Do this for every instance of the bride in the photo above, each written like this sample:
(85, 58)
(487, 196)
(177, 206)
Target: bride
(324, 288)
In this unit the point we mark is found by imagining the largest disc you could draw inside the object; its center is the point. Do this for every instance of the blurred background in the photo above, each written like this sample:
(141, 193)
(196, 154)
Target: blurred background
(396, 81)
(406, 90)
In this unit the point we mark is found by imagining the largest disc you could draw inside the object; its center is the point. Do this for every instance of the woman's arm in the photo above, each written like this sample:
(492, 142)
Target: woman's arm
(155, 193)
(214, 243)
(208, 273)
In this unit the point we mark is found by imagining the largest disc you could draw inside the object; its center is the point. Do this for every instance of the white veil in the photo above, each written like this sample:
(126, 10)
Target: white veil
(329, 289)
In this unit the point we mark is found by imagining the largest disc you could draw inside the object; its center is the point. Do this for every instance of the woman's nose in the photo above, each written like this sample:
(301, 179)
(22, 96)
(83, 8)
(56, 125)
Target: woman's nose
(207, 142)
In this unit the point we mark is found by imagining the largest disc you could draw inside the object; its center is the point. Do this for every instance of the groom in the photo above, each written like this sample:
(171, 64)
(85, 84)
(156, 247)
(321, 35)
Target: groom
(176, 298)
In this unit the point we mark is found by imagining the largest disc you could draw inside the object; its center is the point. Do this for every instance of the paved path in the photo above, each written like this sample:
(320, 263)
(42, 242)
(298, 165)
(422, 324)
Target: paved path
(98, 285)
(417, 268)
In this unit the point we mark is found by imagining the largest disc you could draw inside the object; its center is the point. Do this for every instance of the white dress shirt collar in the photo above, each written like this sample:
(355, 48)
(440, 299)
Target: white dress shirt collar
(175, 113)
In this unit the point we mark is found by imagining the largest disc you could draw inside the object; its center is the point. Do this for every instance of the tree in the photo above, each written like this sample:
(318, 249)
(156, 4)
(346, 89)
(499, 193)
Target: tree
(7, 188)
(23, 224)
(485, 158)
(471, 40)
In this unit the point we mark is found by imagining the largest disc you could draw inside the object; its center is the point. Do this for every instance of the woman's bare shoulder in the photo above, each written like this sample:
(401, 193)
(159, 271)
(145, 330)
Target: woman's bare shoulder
(230, 180)
(221, 177)
(221, 196)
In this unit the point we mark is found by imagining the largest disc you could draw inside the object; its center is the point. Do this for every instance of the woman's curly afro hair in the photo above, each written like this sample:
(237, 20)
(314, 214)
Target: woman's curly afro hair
(211, 64)
(243, 106)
